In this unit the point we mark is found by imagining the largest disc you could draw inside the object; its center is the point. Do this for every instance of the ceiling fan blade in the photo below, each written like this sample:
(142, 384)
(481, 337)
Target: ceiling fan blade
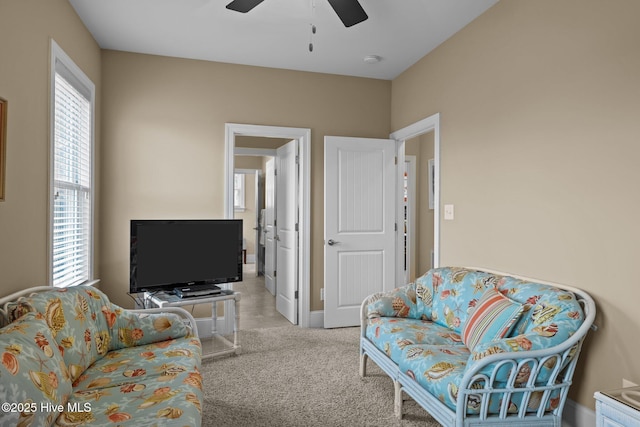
(349, 11)
(243, 6)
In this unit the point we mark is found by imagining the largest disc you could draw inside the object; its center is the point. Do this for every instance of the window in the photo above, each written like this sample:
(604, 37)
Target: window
(72, 139)
(238, 191)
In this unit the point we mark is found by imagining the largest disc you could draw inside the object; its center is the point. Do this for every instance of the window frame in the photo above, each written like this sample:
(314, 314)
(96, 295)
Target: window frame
(74, 75)
(239, 202)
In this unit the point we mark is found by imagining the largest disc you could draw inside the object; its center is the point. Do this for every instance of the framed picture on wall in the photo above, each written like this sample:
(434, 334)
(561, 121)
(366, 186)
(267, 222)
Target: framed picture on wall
(3, 142)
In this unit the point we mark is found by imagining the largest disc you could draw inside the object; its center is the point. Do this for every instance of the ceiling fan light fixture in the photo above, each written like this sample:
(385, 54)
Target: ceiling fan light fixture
(372, 59)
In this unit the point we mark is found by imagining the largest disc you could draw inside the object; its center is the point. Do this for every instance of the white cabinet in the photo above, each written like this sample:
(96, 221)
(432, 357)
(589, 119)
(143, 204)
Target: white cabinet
(618, 408)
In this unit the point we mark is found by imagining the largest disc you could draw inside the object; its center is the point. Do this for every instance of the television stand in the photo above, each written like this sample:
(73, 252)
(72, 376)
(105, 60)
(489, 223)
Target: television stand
(163, 299)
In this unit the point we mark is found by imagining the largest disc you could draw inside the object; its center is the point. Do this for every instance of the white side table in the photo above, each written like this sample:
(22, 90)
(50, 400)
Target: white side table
(618, 408)
(162, 299)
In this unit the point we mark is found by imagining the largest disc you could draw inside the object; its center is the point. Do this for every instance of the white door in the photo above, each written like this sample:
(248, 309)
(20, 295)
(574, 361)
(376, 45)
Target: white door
(360, 206)
(269, 228)
(286, 233)
(259, 255)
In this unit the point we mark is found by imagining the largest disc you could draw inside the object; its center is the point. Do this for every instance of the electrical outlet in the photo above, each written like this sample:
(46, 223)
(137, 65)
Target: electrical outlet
(321, 294)
(626, 383)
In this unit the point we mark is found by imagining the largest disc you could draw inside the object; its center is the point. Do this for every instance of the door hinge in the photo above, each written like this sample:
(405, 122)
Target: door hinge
(296, 295)
(395, 160)
(395, 226)
(297, 159)
(296, 226)
(275, 171)
(275, 273)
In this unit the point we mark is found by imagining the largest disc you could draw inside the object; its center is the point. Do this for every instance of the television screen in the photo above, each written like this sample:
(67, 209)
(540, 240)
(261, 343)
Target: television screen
(166, 254)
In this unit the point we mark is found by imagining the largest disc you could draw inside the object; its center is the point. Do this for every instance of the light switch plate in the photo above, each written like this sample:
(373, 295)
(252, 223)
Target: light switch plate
(448, 212)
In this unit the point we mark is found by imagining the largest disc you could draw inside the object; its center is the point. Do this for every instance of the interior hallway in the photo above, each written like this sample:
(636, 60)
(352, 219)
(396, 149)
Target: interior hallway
(257, 305)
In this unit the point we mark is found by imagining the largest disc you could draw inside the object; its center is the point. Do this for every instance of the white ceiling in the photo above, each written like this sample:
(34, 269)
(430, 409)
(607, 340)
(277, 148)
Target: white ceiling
(277, 32)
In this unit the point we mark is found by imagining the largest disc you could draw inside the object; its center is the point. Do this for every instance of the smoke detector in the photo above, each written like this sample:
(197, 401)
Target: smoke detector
(372, 59)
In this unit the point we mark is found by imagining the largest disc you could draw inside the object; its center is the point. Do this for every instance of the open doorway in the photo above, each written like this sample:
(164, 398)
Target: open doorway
(248, 182)
(297, 232)
(255, 203)
(423, 136)
(418, 206)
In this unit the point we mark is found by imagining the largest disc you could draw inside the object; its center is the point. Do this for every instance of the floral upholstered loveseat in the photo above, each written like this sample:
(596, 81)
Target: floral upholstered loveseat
(477, 347)
(72, 358)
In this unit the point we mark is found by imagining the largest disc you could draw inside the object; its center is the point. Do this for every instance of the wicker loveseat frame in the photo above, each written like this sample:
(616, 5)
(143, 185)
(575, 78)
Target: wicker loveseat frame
(490, 381)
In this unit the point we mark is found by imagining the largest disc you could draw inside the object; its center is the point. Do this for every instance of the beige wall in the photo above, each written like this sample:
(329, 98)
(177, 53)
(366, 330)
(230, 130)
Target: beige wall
(540, 108)
(163, 139)
(26, 27)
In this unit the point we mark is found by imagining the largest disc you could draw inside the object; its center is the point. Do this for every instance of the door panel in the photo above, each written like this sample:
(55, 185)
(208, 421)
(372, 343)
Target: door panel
(363, 271)
(286, 234)
(360, 183)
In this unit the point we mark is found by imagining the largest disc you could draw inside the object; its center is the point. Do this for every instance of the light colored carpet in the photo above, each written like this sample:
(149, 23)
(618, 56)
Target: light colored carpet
(289, 376)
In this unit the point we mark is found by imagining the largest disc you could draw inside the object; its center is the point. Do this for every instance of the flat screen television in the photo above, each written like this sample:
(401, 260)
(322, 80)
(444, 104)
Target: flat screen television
(168, 254)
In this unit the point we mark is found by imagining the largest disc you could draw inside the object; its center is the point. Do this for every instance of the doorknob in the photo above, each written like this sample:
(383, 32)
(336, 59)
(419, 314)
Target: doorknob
(332, 242)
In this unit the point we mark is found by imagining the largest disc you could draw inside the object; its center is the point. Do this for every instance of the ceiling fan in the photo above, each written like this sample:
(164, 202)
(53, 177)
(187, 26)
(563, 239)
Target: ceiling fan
(350, 12)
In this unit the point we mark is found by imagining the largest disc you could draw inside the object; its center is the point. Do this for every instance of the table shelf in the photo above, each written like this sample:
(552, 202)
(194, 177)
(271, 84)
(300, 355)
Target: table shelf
(163, 299)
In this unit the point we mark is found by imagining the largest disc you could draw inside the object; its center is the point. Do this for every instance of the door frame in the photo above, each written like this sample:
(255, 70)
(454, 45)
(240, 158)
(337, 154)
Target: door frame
(303, 135)
(429, 124)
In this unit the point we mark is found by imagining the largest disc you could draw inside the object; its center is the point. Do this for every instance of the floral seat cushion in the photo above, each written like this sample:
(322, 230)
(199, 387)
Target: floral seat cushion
(165, 390)
(438, 369)
(164, 359)
(392, 335)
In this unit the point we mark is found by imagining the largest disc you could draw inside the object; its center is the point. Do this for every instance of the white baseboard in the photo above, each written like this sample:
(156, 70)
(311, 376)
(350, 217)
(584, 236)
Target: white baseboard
(576, 415)
(316, 319)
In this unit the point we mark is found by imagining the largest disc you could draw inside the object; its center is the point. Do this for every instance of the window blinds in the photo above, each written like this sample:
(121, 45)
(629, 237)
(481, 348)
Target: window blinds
(72, 186)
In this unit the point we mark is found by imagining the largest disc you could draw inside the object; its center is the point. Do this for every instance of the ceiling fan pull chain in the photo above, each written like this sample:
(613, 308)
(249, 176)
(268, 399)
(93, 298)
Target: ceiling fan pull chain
(313, 26)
